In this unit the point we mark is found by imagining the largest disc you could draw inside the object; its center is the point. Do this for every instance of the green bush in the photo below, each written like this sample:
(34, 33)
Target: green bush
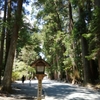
(16, 76)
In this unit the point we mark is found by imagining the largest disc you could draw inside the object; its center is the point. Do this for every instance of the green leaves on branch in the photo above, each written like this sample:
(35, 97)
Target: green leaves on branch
(94, 35)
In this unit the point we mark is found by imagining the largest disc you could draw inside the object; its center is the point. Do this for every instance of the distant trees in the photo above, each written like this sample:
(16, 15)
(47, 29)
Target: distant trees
(70, 42)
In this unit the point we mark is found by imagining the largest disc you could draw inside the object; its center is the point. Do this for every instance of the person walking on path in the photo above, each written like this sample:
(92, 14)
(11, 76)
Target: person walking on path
(23, 79)
(30, 81)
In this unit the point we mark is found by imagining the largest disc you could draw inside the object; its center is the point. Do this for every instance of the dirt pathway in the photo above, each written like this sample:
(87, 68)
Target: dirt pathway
(21, 92)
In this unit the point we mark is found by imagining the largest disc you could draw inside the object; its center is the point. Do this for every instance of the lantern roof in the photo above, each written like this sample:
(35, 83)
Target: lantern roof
(40, 62)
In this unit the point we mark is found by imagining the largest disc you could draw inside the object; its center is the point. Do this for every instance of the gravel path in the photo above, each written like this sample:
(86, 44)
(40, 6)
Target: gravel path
(52, 90)
(21, 91)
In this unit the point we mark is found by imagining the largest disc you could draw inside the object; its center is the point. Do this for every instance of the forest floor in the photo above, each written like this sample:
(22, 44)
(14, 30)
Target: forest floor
(96, 87)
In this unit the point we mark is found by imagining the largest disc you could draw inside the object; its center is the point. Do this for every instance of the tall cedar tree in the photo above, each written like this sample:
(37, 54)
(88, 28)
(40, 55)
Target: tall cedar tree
(2, 40)
(8, 33)
(10, 58)
(84, 48)
(97, 31)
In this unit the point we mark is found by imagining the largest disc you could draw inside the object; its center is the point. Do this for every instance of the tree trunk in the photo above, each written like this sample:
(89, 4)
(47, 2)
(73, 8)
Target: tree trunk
(97, 4)
(8, 33)
(84, 45)
(73, 42)
(98, 65)
(70, 18)
(10, 59)
(86, 67)
(2, 40)
(94, 71)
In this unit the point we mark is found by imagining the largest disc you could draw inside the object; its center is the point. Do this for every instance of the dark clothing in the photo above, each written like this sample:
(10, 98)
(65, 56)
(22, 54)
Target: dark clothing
(23, 79)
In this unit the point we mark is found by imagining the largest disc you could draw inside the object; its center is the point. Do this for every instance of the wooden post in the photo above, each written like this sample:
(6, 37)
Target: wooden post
(39, 92)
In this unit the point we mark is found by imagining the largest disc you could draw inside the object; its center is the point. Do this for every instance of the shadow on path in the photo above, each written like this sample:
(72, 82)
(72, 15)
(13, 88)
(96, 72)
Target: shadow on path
(70, 92)
(24, 91)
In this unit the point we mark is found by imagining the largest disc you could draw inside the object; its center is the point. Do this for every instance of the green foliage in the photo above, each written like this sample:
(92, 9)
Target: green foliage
(68, 63)
(78, 2)
(53, 16)
(31, 69)
(79, 28)
(16, 76)
(28, 46)
(94, 23)
(94, 37)
(42, 1)
(74, 2)
(24, 39)
(93, 55)
(87, 36)
(21, 68)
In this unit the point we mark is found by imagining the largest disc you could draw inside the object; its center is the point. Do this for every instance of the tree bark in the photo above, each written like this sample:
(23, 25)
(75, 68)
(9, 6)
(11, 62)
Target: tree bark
(10, 59)
(73, 42)
(86, 67)
(70, 18)
(97, 5)
(9, 31)
(84, 46)
(2, 40)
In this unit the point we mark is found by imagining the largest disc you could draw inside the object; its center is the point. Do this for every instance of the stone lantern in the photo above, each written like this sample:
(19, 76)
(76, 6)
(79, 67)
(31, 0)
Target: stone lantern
(39, 66)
